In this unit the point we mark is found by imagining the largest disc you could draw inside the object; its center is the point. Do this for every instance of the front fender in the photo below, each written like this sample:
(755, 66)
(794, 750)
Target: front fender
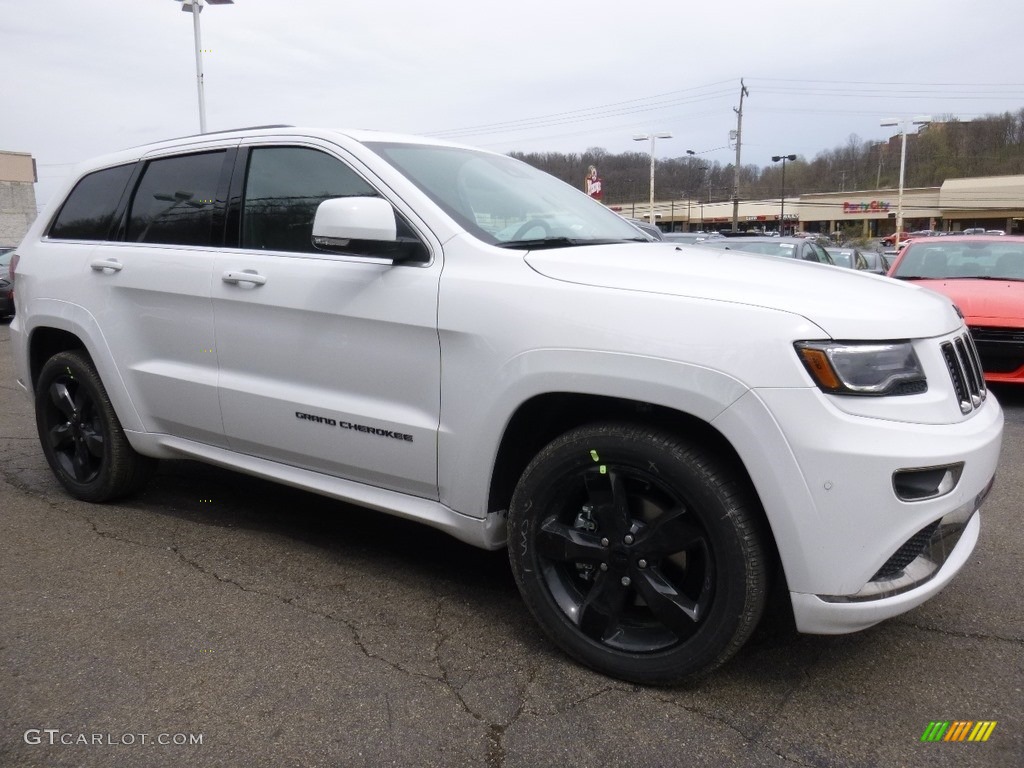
(469, 438)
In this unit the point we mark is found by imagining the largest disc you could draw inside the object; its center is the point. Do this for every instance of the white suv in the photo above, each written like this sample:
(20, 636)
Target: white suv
(659, 432)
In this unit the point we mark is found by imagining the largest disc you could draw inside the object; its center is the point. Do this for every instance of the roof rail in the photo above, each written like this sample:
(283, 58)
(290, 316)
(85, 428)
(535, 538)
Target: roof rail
(225, 130)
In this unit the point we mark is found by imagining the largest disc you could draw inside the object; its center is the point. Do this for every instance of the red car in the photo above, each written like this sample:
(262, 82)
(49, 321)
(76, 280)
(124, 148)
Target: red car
(984, 276)
(893, 239)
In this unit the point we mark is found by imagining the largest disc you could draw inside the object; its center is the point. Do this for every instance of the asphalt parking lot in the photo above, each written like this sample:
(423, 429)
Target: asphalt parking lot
(218, 620)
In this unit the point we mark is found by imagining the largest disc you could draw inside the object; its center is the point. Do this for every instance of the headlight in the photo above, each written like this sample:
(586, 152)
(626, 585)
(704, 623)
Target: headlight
(850, 368)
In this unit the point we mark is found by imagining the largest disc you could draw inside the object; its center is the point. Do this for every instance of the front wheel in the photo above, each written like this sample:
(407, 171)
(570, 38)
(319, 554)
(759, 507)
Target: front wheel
(639, 553)
(80, 432)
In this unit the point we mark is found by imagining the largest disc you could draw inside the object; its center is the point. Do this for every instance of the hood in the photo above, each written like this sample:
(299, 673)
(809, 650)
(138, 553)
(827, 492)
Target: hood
(846, 304)
(984, 302)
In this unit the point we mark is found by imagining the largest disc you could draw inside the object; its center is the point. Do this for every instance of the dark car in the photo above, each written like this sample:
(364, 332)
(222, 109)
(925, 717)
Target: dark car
(6, 287)
(877, 262)
(648, 229)
(787, 247)
(984, 277)
(851, 258)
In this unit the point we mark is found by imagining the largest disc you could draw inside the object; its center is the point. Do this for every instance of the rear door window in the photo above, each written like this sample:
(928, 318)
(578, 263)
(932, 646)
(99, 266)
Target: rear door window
(174, 201)
(88, 213)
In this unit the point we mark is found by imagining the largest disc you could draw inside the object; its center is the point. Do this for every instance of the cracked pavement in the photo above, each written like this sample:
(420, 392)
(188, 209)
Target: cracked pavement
(290, 630)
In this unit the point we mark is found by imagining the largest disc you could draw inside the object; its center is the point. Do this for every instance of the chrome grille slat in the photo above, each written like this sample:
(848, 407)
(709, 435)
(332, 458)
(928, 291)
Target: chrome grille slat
(965, 372)
(976, 360)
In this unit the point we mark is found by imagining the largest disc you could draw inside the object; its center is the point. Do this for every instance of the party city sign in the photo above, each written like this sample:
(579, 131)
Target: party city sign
(875, 206)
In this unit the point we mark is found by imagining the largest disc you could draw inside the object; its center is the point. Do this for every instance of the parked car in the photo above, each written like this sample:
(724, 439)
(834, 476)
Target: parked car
(653, 232)
(974, 231)
(878, 263)
(799, 248)
(6, 287)
(687, 237)
(851, 258)
(895, 238)
(984, 277)
(452, 336)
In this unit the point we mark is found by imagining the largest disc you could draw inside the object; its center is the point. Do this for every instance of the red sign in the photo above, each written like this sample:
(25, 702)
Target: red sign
(875, 206)
(592, 183)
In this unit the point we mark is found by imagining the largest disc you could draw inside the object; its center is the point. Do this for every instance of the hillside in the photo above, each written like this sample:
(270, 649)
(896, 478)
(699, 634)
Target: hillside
(948, 148)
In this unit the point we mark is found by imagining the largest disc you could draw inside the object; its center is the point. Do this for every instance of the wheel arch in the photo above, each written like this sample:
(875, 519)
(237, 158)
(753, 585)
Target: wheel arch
(544, 417)
(45, 342)
(59, 326)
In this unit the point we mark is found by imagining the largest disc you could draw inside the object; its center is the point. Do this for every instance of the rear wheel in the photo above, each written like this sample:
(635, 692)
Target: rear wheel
(638, 552)
(81, 435)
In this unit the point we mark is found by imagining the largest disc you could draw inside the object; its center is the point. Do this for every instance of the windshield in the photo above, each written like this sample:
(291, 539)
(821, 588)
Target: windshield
(841, 258)
(962, 260)
(503, 201)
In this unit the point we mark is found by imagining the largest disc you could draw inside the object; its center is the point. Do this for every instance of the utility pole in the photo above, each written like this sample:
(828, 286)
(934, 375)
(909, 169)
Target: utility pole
(736, 170)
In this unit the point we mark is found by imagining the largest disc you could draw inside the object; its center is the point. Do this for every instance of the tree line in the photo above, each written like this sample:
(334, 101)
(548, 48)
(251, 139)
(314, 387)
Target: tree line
(946, 148)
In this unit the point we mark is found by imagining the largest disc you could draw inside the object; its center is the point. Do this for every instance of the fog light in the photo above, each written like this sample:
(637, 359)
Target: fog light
(926, 482)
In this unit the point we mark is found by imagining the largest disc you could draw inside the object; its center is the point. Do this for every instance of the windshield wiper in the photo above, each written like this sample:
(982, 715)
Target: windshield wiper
(561, 242)
(984, 277)
(957, 277)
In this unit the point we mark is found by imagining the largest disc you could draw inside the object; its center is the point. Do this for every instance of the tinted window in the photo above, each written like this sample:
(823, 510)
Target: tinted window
(817, 253)
(89, 210)
(174, 201)
(283, 187)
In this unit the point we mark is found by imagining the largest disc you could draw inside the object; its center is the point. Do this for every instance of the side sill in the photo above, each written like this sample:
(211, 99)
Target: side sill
(485, 533)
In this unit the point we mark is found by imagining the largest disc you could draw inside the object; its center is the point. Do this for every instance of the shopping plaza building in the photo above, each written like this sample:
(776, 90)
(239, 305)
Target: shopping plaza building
(17, 196)
(992, 202)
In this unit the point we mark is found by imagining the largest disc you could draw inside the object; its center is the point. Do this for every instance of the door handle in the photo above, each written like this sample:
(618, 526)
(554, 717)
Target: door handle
(245, 276)
(102, 265)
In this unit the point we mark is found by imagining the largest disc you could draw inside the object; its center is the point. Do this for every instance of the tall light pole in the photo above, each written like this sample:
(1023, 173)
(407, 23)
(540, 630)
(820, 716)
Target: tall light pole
(782, 207)
(902, 124)
(652, 137)
(880, 146)
(700, 182)
(195, 7)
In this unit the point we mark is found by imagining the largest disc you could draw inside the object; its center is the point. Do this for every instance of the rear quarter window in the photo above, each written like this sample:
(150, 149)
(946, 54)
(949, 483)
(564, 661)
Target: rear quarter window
(88, 212)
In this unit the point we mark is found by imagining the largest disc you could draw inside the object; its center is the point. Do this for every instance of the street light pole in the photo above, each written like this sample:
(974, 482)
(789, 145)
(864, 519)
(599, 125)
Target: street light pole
(782, 207)
(902, 124)
(195, 7)
(700, 183)
(652, 137)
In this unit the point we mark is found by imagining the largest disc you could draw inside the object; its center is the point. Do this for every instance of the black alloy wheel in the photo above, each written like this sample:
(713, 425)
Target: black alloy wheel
(80, 434)
(638, 553)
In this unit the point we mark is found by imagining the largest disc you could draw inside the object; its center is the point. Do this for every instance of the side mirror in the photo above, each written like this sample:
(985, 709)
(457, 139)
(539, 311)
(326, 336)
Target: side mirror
(354, 218)
(365, 226)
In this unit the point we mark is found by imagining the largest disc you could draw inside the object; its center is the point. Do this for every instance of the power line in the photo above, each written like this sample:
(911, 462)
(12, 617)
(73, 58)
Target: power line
(629, 106)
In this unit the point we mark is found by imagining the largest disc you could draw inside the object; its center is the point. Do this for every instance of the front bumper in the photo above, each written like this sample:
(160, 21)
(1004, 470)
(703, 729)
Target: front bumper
(941, 557)
(856, 547)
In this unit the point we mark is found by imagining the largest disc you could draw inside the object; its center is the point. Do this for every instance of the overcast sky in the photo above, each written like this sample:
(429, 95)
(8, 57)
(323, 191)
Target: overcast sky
(84, 77)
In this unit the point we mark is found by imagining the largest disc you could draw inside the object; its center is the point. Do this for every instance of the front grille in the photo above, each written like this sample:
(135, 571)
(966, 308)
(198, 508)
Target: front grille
(965, 370)
(906, 554)
(1001, 349)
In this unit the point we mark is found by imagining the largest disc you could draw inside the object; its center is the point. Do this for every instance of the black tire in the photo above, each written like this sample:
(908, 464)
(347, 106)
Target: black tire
(640, 554)
(80, 434)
